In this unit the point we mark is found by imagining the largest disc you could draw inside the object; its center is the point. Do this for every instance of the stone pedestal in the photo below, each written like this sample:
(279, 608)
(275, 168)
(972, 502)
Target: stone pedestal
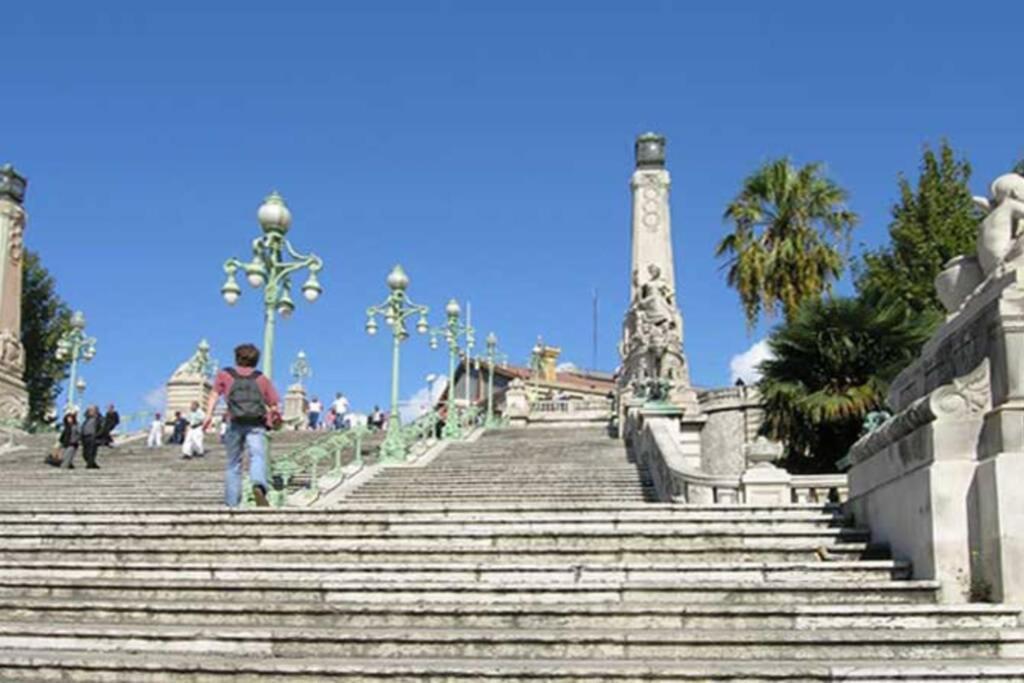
(295, 406)
(763, 482)
(190, 382)
(13, 395)
(517, 404)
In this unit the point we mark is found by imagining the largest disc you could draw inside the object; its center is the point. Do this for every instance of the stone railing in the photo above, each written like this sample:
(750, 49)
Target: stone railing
(653, 442)
(570, 410)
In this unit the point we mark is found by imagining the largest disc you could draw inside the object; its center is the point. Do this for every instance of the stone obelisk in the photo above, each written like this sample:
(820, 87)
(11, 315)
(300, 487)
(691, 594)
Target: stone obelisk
(13, 395)
(654, 367)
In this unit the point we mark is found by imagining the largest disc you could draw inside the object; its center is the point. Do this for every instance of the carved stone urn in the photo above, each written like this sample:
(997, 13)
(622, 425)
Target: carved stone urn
(958, 278)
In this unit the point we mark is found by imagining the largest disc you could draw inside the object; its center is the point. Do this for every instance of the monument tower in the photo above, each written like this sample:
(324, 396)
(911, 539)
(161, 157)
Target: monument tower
(654, 366)
(13, 395)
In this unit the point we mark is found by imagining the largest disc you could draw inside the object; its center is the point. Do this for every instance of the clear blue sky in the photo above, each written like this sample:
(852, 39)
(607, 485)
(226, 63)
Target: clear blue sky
(485, 146)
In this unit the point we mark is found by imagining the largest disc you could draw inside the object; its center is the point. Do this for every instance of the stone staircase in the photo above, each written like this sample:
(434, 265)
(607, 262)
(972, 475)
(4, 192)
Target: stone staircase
(524, 556)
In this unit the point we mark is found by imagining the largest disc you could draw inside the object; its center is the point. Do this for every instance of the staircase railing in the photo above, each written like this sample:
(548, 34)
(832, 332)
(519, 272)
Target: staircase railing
(319, 463)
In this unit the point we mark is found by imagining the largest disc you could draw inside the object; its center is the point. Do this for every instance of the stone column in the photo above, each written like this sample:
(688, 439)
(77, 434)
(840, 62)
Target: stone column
(13, 395)
(653, 363)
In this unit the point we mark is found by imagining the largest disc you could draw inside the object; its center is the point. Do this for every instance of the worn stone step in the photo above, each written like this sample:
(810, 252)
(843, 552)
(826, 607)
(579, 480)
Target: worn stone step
(51, 665)
(525, 616)
(921, 644)
(327, 591)
(507, 574)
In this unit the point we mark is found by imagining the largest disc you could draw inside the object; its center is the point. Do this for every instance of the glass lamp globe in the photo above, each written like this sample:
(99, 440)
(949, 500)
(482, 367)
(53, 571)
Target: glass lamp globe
(255, 278)
(78, 320)
(311, 289)
(421, 326)
(285, 309)
(433, 343)
(371, 327)
(80, 384)
(274, 215)
(452, 309)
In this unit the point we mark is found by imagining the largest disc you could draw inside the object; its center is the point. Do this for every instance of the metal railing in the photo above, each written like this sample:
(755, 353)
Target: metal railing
(317, 465)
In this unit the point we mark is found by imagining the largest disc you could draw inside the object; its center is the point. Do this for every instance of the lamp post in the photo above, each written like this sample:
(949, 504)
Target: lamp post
(535, 367)
(492, 356)
(301, 370)
(451, 331)
(73, 345)
(470, 343)
(273, 263)
(395, 310)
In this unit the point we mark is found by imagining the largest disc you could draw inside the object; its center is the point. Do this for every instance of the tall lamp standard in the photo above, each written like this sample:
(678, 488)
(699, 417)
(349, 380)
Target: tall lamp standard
(274, 261)
(492, 356)
(395, 310)
(451, 331)
(73, 345)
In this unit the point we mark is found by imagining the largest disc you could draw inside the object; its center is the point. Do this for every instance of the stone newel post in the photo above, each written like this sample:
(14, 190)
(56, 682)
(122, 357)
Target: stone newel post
(13, 395)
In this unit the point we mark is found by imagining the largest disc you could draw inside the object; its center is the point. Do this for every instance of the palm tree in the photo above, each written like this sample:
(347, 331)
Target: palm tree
(790, 226)
(832, 364)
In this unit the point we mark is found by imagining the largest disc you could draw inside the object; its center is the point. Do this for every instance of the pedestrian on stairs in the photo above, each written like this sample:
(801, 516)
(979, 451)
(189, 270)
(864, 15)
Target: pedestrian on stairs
(69, 437)
(92, 432)
(252, 405)
(155, 438)
(193, 446)
(110, 422)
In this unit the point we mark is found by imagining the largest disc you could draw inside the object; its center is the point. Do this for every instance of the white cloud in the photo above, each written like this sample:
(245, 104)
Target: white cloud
(745, 365)
(421, 402)
(156, 399)
(567, 366)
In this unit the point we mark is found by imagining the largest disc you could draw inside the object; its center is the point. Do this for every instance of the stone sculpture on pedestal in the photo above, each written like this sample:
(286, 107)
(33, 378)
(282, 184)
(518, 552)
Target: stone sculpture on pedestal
(653, 364)
(192, 381)
(13, 395)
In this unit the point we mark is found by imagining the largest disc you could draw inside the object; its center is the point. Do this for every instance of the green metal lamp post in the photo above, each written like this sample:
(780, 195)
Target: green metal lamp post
(301, 370)
(535, 367)
(74, 345)
(395, 310)
(492, 357)
(273, 263)
(451, 331)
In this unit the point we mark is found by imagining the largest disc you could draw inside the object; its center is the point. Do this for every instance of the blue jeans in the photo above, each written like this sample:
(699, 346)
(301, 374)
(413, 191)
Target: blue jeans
(314, 420)
(236, 438)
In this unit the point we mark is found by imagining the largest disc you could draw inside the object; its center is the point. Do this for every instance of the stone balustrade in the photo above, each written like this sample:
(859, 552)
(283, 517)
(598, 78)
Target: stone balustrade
(657, 442)
(571, 410)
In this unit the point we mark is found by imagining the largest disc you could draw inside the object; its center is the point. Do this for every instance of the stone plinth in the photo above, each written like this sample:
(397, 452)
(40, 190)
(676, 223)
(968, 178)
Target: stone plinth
(517, 404)
(295, 406)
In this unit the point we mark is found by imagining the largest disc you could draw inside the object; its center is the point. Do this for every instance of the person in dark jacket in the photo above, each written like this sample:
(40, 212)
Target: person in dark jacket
(180, 424)
(92, 432)
(68, 440)
(110, 422)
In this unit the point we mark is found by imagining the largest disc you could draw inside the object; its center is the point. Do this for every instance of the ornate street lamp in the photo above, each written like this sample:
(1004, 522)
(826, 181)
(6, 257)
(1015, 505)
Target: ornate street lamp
(451, 331)
(301, 370)
(493, 355)
(274, 262)
(535, 366)
(75, 345)
(395, 310)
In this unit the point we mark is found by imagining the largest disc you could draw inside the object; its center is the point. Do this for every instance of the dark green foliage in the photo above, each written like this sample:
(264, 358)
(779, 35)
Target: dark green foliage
(832, 365)
(931, 224)
(791, 228)
(44, 318)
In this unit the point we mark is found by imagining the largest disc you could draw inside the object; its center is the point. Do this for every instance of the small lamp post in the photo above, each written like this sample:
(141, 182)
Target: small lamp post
(492, 356)
(75, 345)
(451, 331)
(301, 370)
(395, 310)
(535, 367)
(273, 263)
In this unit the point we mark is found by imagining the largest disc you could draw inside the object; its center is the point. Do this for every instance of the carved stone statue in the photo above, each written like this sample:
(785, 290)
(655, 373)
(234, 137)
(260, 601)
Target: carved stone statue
(999, 243)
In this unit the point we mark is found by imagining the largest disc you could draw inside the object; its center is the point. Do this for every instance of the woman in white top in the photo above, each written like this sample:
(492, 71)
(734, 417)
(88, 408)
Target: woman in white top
(156, 433)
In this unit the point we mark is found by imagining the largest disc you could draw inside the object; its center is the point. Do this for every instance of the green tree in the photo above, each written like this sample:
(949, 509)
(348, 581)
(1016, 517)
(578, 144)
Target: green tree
(791, 228)
(44, 318)
(831, 365)
(932, 223)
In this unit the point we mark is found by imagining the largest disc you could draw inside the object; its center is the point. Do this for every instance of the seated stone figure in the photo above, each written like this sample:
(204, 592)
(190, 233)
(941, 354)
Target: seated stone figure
(998, 241)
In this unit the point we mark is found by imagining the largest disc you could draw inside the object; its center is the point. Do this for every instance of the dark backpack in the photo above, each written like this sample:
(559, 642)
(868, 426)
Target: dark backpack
(246, 404)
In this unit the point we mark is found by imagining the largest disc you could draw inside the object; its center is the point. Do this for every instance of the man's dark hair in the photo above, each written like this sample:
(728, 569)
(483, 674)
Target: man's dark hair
(247, 356)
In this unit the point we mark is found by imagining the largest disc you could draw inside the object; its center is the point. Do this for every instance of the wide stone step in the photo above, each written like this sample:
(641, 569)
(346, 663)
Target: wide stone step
(525, 616)
(505, 574)
(921, 644)
(51, 665)
(327, 591)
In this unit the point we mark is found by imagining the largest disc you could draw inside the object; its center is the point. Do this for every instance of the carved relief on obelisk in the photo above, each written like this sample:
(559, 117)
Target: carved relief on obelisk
(653, 364)
(13, 396)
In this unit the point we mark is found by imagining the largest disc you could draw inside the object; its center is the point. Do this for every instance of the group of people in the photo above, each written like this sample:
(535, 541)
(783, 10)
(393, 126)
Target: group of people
(94, 430)
(339, 416)
(187, 430)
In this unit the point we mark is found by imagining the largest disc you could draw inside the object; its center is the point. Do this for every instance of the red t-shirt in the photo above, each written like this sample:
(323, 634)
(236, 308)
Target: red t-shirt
(222, 385)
